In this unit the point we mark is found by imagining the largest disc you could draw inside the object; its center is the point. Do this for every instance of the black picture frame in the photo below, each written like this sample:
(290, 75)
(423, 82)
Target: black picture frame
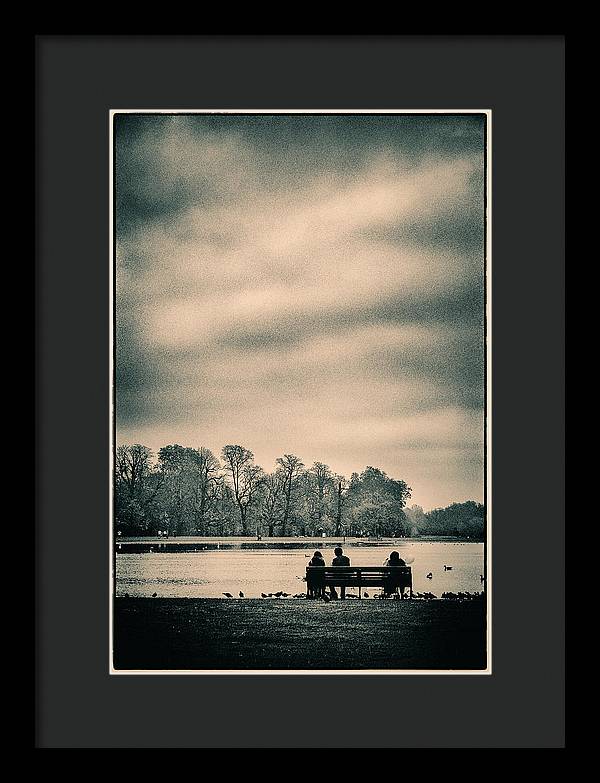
(79, 79)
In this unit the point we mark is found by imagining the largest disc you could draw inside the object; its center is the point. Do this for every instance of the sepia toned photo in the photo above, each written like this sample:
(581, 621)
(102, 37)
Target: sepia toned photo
(300, 393)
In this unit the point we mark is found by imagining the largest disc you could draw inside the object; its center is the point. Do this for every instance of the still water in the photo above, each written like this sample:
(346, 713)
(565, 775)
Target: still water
(210, 574)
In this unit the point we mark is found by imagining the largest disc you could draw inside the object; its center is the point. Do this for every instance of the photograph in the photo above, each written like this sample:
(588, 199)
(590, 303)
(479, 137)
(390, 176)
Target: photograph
(300, 392)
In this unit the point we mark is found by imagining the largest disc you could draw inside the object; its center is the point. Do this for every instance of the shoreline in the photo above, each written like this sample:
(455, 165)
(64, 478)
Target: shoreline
(141, 544)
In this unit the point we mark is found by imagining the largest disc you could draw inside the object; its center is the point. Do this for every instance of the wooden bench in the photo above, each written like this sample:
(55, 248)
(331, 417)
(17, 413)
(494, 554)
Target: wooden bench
(389, 577)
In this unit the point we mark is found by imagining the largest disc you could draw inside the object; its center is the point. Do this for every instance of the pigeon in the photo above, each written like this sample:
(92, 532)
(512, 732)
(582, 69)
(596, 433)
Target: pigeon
(227, 595)
(429, 575)
(154, 595)
(366, 595)
(447, 568)
(263, 595)
(241, 594)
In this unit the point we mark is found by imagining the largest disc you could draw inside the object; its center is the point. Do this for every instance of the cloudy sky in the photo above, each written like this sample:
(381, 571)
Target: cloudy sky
(308, 285)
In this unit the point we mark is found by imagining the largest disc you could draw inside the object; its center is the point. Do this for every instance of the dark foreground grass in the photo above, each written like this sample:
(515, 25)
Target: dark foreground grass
(172, 633)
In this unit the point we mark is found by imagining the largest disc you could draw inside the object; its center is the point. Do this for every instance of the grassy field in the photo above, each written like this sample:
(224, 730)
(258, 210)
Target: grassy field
(189, 633)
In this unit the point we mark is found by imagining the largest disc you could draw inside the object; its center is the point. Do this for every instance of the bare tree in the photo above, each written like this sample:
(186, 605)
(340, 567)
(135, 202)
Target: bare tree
(137, 484)
(291, 468)
(133, 465)
(207, 468)
(246, 478)
(271, 510)
(341, 486)
(322, 483)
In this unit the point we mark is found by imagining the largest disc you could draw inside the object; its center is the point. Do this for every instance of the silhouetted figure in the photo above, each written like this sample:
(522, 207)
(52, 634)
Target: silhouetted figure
(315, 581)
(340, 559)
(391, 587)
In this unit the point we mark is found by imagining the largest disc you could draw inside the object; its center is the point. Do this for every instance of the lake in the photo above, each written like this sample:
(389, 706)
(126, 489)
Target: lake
(212, 573)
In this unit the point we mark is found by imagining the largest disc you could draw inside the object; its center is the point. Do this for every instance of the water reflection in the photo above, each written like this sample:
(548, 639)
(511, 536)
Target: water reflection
(210, 574)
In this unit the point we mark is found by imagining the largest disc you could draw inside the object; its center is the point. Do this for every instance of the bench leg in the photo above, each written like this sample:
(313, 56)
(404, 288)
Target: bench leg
(360, 591)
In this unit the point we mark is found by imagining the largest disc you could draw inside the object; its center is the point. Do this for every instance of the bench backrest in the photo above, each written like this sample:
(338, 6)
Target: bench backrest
(367, 574)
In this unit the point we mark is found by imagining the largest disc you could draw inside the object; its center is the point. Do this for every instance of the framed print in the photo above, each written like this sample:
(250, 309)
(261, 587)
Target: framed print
(290, 306)
(316, 282)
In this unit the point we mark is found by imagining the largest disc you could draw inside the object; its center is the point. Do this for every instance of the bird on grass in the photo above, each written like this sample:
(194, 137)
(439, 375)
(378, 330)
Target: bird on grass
(366, 595)
(154, 595)
(227, 595)
(429, 575)
(263, 595)
(241, 595)
(447, 568)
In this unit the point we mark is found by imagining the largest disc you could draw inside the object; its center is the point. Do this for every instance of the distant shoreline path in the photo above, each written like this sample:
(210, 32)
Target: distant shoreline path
(195, 543)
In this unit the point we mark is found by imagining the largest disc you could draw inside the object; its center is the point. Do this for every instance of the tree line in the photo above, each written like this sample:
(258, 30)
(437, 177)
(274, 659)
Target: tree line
(190, 491)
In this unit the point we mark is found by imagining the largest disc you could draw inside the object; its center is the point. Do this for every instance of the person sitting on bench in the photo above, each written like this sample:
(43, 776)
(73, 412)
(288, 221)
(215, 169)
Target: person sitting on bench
(391, 587)
(340, 559)
(315, 585)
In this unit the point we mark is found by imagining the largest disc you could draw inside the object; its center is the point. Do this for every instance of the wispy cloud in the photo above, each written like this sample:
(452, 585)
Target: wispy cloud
(306, 291)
